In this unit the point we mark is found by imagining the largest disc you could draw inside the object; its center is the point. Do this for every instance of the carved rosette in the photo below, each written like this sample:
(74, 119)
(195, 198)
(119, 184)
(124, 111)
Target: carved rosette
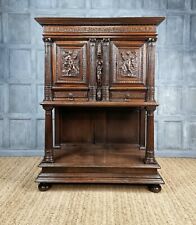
(92, 41)
(70, 63)
(99, 70)
(128, 63)
(152, 41)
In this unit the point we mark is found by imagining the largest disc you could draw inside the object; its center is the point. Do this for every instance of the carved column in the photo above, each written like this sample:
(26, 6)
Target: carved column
(149, 156)
(48, 134)
(92, 81)
(106, 66)
(150, 68)
(99, 70)
(48, 69)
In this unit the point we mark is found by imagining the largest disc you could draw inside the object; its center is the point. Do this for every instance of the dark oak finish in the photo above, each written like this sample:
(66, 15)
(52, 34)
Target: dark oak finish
(99, 81)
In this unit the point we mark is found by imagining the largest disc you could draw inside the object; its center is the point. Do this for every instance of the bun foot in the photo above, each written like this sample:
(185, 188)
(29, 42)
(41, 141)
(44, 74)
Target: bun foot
(44, 186)
(156, 188)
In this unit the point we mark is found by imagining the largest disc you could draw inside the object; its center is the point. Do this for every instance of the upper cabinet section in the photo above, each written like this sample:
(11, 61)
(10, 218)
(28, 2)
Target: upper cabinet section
(99, 59)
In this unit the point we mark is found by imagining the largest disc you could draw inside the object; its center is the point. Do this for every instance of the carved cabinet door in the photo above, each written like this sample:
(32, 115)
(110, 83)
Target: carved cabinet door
(128, 59)
(127, 69)
(70, 70)
(70, 63)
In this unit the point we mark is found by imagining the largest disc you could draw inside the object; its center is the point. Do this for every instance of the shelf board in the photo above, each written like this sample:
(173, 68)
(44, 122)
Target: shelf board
(99, 104)
(99, 156)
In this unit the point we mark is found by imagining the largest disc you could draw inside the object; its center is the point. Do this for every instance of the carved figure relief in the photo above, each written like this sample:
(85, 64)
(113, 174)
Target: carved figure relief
(99, 70)
(70, 63)
(128, 63)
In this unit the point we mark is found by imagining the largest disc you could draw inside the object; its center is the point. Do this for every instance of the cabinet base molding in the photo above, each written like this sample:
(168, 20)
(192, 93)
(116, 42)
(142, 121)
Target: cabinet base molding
(111, 169)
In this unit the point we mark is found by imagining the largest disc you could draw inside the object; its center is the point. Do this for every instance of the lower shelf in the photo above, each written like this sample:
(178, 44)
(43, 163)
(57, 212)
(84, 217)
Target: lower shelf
(115, 163)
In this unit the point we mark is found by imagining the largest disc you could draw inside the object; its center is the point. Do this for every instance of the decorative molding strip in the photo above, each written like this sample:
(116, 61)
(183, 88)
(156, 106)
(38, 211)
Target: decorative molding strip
(99, 29)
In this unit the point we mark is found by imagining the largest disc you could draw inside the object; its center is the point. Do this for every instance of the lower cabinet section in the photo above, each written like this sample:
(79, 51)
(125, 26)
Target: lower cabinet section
(99, 145)
(100, 163)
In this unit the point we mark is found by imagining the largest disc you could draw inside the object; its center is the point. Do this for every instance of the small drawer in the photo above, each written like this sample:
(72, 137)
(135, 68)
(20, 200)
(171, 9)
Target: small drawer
(126, 95)
(70, 95)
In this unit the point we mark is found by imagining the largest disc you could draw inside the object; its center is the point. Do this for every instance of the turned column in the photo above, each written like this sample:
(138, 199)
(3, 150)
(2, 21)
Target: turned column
(150, 68)
(149, 155)
(48, 69)
(92, 78)
(47, 97)
(48, 157)
(106, 68)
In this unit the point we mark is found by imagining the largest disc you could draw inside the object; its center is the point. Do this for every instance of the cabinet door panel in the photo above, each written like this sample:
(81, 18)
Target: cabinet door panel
(128, 63)
(70, 63)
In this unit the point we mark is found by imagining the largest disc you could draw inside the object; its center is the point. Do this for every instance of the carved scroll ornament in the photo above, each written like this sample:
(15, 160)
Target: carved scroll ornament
(70, 63)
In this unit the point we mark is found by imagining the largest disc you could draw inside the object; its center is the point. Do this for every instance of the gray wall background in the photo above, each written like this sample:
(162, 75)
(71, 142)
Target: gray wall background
(22, 71)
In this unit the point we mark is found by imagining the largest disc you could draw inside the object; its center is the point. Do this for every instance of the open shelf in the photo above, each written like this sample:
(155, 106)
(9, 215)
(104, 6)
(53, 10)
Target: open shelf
(99, 104)
(90, 163)
(99, 155)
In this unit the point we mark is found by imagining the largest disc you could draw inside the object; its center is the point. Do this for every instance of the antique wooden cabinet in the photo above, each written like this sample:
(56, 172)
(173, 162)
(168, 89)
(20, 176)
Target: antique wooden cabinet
(99, 101)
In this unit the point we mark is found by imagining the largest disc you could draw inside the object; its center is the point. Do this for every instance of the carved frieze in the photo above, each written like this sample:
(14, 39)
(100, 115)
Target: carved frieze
(70, 63)
(100, 29)
(128, 63)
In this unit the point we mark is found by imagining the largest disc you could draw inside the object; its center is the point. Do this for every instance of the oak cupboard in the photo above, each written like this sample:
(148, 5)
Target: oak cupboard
(99, 101)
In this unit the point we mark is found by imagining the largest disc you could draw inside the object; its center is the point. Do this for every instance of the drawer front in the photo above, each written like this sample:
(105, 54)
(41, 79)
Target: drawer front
(71, 95)
(126, 95)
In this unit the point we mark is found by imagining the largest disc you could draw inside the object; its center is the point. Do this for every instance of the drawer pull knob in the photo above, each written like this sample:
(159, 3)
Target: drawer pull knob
(127, 96)
(70, 96)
